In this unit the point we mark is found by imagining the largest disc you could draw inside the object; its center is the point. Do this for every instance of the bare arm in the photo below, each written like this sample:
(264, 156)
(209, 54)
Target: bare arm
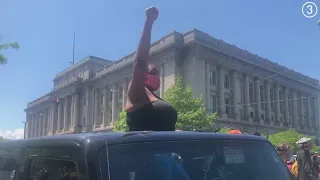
(136, 90)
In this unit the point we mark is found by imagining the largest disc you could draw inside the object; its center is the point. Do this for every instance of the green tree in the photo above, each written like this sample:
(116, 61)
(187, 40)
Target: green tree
(121, 125)
(289, 137)
(3, 58)
(224, 130)
(192, 115)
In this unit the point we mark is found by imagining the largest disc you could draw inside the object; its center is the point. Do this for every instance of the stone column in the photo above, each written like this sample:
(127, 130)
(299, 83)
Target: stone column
(72, 120)
(286, 105)
(89, 107)
(315, 112)
(124, 93)
(54, 118)
(45, 123)
(302, 120)
(318, 111)
(257, 98)
(27, 129)
(221, 92)
(277, 102)
(76, 119)
(37, 125)
(114, 103)
(294, 109)
(65, 113)
(246, 96)
(308, 112)
(41, 119)
(32, 124)
(96, 107)
(59, 124)
(267, 101)
(27, 126)
(106, 104)
(234, 94)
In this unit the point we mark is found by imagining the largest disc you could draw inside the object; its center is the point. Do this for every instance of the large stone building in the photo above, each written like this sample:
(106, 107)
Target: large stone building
(249, 92)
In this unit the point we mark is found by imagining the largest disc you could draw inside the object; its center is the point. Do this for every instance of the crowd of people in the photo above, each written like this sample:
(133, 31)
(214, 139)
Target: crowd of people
(306, 165)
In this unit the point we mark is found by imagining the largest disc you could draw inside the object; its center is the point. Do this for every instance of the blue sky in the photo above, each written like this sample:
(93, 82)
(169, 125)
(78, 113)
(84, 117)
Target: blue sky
(276, 30)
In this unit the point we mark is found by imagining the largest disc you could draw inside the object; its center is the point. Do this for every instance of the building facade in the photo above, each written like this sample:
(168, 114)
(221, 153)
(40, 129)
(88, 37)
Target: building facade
(249, 92)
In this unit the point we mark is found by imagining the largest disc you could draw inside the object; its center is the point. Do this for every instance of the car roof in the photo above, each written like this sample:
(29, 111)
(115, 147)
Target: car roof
(112, 138)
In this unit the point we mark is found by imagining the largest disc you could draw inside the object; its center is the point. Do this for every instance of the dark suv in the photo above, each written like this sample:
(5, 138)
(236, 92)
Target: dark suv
(142, 156)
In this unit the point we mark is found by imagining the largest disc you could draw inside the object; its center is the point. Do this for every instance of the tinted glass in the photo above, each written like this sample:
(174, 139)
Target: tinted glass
(219, 160)
(52, 169)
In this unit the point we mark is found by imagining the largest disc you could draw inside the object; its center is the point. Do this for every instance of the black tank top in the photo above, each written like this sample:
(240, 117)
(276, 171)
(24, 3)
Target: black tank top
(156, 116)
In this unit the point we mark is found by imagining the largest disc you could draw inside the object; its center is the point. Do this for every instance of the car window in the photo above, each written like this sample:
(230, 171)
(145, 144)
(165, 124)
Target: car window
(218, 160)
(51, 169)
(8, 165)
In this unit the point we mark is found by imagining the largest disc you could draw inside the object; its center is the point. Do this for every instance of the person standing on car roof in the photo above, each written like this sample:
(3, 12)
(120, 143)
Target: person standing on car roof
(304, 159)
(145, 110)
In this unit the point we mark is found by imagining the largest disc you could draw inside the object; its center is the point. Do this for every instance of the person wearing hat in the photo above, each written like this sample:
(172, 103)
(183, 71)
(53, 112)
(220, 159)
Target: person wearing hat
(304, 159)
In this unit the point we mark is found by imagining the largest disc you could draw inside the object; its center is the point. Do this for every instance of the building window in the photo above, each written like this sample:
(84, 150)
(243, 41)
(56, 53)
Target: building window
(262, 116)
(212, 76)
(290, 101)
(214, 103)
(228, 103)
(281, 119)
(241, 91)
(251, 95)
(101, 98)
(9, 165)
(272, 118)
(55, 169)
(272, 99)
(262, 97)
(110, 95)
(84, 100)
(298, 109)
(227, 81)
(251, 115)
(120, 92)
(281, 100)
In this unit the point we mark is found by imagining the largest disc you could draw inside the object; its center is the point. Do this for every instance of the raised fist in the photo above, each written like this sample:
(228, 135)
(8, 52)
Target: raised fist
(152, 14)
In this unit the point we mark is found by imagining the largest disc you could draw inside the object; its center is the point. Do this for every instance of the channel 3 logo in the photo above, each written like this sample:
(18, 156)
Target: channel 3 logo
(309, 9)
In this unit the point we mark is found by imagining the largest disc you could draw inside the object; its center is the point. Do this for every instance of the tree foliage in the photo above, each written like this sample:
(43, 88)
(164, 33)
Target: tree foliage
(121, 125)
(192, 115)
(290, 137)
(3, 58)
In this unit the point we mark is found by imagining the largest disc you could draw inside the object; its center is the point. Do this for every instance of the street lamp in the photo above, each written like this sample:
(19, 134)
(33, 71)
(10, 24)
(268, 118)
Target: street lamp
(318, 23)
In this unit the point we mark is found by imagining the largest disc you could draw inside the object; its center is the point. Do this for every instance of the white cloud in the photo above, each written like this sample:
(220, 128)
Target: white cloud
(15, 134)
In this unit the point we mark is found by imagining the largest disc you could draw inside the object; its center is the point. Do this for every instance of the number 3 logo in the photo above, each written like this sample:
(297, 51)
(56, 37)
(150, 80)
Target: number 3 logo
(309, 9)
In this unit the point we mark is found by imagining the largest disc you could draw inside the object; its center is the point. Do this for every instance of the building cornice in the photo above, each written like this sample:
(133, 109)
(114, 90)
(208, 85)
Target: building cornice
(83, 61)
(196, 36)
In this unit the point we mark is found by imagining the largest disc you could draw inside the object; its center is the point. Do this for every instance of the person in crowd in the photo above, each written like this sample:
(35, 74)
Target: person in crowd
(315, 166)
(304, 159)
(145, 110)
(282, 150)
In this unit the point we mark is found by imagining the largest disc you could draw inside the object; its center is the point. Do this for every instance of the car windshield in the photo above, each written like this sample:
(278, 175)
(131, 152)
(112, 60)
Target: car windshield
(214, 160)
